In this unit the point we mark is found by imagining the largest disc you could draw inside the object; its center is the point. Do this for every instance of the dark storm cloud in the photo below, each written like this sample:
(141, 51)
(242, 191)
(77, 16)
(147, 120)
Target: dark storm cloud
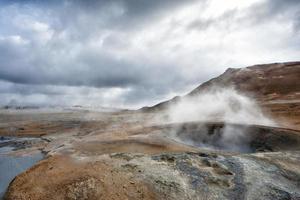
(202, 24)
(104, 13)
(272, 9)
(143, 49)
(256, 14)
(25, 65)
(23, 89)
(35, 63)
(297, 22)
(287, 5)
(279, 5)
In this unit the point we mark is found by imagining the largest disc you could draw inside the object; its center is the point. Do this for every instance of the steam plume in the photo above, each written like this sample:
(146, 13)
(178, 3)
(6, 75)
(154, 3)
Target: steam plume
(221, 105)
(224, 105)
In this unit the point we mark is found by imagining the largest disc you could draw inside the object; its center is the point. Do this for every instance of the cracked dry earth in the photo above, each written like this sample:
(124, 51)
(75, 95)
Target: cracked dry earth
(132, 156)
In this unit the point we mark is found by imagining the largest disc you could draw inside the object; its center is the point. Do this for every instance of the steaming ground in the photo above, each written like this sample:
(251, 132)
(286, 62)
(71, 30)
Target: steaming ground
(131, 155)
(217, 105)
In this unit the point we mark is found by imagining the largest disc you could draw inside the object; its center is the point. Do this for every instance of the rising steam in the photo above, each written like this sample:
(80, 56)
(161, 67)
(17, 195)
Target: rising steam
(223, 105)
(218, 105)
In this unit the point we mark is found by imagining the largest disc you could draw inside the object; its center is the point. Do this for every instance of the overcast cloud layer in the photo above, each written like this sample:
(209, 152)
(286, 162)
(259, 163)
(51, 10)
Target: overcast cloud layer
(130, 53)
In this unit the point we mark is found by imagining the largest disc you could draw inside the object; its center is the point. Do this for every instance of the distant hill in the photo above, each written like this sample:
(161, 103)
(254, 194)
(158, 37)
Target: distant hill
(266, 82)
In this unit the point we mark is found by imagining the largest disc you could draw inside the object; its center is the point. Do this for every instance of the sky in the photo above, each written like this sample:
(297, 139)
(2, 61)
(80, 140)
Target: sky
(132, 53)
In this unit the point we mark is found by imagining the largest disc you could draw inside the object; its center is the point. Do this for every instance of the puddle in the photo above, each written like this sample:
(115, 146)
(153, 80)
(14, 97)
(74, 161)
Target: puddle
(12, 165)
(6, 150)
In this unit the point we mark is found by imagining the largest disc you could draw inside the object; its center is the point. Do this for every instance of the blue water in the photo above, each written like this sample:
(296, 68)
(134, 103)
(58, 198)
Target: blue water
(11, 166)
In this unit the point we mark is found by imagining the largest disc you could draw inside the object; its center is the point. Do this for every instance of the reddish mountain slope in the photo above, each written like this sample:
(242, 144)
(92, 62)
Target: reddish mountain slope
(275, 86)
(278, 81)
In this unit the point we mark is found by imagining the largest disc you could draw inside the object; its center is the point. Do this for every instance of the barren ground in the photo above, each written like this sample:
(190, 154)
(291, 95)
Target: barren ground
(126, 155)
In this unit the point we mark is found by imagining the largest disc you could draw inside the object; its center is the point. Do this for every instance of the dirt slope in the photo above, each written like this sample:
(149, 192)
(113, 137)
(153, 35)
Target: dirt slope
(277, 81)
(275, 86)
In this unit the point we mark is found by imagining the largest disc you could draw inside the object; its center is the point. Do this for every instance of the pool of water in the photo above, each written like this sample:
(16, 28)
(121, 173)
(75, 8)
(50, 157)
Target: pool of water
(12, 165)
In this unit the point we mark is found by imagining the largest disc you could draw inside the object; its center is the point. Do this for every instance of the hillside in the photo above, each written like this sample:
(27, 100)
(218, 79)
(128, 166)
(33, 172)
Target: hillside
(275, 86)
(268, 82)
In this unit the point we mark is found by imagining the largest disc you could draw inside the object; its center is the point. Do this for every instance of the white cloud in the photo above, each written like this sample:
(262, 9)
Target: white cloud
(14, 39)
(148, 50)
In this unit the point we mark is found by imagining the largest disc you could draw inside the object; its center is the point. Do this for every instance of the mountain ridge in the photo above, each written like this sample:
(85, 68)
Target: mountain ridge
(265, 82)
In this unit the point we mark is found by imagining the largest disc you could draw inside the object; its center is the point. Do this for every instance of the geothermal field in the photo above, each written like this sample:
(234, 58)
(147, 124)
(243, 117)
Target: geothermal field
(236, 136)
(150, 99)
